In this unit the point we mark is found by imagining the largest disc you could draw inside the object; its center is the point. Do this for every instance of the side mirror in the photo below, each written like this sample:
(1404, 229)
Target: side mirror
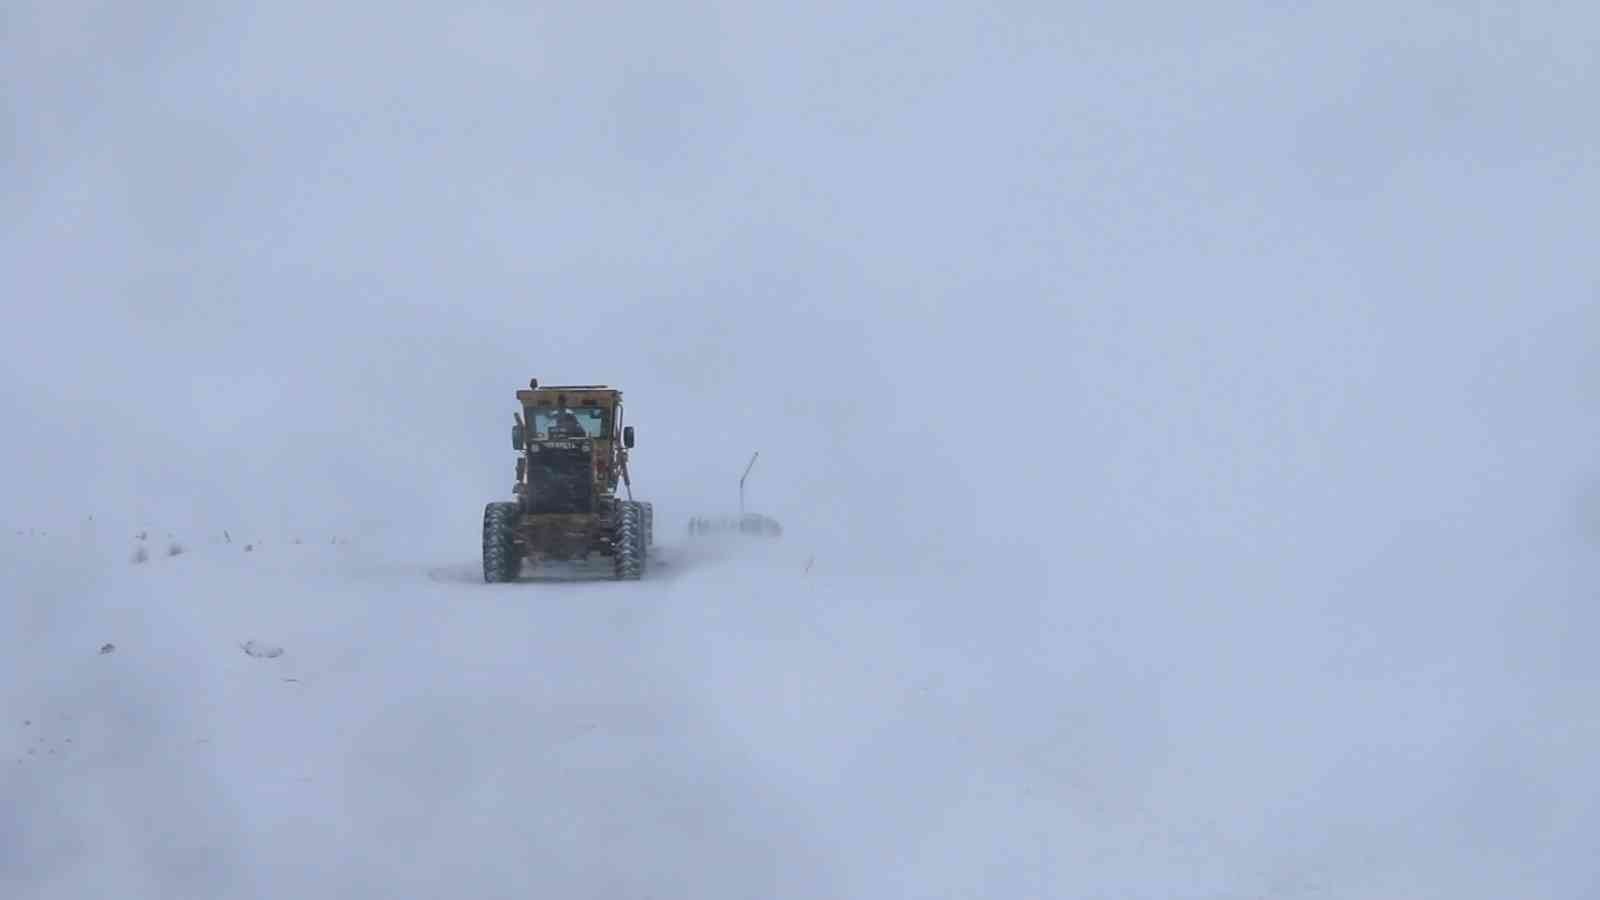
(627, 436)
(516, 437)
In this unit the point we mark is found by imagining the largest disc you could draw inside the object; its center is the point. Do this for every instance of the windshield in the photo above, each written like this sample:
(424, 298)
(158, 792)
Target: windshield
(582, 421)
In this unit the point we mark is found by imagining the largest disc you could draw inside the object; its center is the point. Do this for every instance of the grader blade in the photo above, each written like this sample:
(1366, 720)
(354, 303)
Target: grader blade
(745, 523)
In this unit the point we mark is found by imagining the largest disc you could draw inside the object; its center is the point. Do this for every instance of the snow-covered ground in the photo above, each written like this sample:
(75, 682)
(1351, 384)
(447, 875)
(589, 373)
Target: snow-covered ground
(749, 722)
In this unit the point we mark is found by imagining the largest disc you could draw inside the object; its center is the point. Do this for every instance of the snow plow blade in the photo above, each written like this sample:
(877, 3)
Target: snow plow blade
(745, 523)
(753, 524)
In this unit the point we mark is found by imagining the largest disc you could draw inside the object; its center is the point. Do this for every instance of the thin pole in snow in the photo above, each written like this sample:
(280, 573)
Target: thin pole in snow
(746, 474)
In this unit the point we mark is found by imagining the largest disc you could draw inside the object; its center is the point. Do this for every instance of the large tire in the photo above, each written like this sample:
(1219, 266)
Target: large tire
(627, 542)
(501, 561)
(649, 523)
(645, 516)
(643, 537)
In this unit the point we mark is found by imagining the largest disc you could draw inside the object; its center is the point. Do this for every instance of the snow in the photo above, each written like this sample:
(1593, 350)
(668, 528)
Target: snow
(739, 726)
(1182, 420)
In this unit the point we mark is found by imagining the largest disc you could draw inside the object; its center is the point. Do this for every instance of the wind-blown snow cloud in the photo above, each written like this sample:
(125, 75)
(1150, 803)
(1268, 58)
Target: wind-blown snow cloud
(1231, 368)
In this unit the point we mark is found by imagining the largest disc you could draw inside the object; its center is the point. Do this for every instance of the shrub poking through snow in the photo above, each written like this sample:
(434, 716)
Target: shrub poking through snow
(260, 650)
(174, 549)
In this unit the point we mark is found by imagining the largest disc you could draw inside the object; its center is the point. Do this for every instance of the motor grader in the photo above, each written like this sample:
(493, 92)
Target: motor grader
(572, 452)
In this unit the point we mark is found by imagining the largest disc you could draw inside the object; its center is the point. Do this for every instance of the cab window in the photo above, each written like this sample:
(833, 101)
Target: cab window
(574, 421)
